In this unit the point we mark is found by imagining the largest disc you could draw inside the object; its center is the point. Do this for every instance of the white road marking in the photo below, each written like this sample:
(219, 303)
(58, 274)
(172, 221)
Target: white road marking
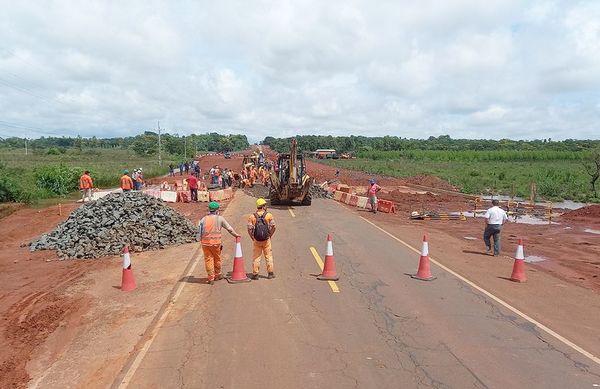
(291, 212)
(144, 350)
(496, 299)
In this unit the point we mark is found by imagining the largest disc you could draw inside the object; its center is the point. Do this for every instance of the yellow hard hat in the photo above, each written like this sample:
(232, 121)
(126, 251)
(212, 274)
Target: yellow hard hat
(260, 202)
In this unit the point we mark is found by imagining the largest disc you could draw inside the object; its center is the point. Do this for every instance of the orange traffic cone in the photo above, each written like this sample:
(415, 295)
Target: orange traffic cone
(329, 273)
(127, 280)
(424, 273)
(518, 273)
(239, 272)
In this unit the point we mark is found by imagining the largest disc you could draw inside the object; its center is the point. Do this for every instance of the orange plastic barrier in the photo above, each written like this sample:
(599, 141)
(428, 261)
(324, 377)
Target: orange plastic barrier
(216, 195)
(386, 206)
(353, 200)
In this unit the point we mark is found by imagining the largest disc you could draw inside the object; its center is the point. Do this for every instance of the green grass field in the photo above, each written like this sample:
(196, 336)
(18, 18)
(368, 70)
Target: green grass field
(38, 176)
(557, 176)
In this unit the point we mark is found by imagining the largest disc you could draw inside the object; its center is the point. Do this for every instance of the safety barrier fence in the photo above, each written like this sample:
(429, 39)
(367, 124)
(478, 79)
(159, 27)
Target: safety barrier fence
(363, 202)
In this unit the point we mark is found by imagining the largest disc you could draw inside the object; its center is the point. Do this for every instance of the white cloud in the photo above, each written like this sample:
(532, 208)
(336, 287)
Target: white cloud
(467, 68)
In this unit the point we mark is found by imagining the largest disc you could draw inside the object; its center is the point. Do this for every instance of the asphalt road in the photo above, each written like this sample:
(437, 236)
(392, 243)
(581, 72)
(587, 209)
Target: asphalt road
(382, 329)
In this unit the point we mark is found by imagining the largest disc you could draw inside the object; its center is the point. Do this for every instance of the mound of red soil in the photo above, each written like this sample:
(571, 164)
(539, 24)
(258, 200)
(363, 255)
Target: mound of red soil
(589, 214)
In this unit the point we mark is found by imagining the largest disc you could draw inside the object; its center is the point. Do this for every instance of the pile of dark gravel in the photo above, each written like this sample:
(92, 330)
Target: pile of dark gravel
(319, 192)
(100, 228)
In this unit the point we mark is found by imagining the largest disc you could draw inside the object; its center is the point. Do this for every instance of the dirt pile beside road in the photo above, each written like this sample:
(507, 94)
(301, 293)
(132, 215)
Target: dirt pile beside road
(102, 227)
(590, 214)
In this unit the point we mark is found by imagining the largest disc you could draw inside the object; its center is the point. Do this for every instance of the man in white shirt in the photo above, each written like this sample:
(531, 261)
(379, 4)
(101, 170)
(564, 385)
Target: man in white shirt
(494, 218)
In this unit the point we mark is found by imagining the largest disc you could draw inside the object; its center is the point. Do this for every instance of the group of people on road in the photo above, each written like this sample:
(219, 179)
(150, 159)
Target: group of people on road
(133, 182)
(186, 167)
(222, 177)
(250, 175)
(261, 228)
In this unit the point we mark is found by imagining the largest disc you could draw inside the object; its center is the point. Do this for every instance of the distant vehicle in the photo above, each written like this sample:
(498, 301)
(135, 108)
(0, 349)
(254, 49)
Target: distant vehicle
(227, 155)
(324, 153)
(332, 156)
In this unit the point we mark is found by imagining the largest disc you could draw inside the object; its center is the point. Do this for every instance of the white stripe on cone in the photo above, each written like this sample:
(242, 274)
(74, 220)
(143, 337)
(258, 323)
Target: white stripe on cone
(329, 248)
(126, 260)
(238, 250)
(425, 249)
(520, 254)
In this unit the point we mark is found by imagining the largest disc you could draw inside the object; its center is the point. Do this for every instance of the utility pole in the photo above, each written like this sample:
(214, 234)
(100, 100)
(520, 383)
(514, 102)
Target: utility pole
(184, 147)
(159, 158)
(25, 146)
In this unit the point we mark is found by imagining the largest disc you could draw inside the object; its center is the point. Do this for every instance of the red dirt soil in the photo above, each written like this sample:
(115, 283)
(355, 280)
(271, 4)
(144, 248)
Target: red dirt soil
(33, 302)
(589, 214)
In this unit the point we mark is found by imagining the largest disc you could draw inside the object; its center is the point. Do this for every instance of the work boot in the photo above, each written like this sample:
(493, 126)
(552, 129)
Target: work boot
(254, 276)
(271, 275)
(210, 282)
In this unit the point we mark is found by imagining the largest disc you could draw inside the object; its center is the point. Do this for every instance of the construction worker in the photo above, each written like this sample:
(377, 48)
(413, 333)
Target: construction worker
(252, 176)
(126, 181)
(192, 182)
(138, 179)
(372, 194)
(261, 228)
(85, 185)
(494, 218)
(209, 233)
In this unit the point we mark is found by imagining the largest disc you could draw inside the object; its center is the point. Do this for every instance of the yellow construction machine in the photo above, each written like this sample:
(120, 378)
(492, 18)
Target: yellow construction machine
(289, 181)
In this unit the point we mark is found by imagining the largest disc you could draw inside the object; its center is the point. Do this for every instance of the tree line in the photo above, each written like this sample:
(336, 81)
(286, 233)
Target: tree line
(143, 144)
(355, 144)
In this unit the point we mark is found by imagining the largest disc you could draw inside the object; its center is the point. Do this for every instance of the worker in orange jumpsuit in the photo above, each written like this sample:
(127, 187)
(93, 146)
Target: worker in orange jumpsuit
(261, 228)
(86, 185)
(126, 182)
(209, 232)
(252, 176)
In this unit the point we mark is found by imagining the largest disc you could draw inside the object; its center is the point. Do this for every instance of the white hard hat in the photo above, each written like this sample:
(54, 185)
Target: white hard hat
(414, 213)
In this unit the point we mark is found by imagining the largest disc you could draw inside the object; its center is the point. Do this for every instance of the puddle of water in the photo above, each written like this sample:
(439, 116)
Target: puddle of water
(597, 232)
(470, 238)
(522, 219)
(566, 204)
(534, 259)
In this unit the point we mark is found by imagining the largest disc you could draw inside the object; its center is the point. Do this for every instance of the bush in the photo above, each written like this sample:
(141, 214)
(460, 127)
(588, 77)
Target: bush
(59, 180)
(53, 151)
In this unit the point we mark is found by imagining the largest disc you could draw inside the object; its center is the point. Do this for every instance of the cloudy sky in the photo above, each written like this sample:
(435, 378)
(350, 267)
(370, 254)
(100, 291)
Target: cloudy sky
(467, 68)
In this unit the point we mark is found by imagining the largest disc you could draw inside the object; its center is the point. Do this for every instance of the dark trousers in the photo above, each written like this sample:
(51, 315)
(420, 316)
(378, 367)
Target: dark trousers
(194, 194)
(492, 231)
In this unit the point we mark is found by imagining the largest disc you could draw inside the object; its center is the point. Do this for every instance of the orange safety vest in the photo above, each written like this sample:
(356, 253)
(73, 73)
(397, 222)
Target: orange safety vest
(211, 232)
(85, 182)
(126, 182)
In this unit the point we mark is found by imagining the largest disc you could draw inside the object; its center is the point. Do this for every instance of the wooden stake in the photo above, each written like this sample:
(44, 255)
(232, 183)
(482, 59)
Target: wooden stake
(59, 209)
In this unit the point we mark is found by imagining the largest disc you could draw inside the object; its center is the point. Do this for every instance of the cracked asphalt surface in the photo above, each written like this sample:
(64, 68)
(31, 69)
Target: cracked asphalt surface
(383, 330)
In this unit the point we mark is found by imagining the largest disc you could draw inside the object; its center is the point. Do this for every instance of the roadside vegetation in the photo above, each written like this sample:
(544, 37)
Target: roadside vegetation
(559, 170)
(52, 166)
